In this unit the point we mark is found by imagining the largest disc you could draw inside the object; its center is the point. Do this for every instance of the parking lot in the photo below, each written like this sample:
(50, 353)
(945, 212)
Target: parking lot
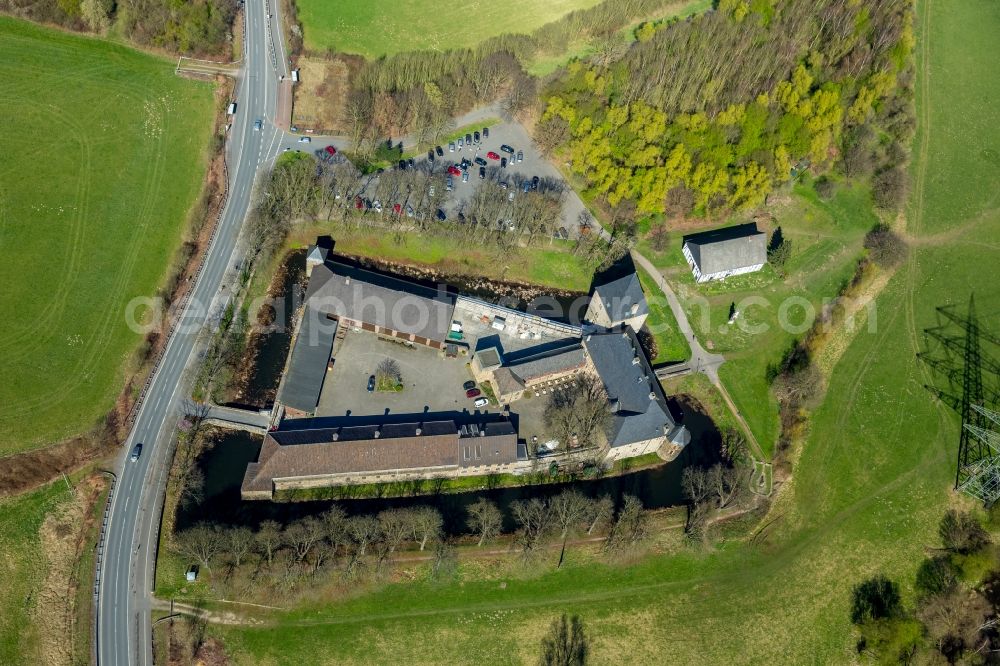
(431, 381)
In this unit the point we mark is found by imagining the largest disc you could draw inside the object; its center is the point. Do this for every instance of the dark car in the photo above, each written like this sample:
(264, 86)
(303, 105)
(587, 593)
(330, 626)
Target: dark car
(486, 132)
(409, 162)
(371, 383)
(469, 385)
(461, 218)
(430, 155)
(136, 452)
(473, 393)
(465, 163)
(468, 139)
(507, 149)
(402, 165)
(480, 161)
(534, 182)
(439, 151)
(482, 172)
(475, 137)
(503, 162)
(441, 216)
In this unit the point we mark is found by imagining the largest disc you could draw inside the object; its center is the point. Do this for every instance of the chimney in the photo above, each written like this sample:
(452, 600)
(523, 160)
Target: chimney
(418, 431)
(482, 433)
(335, 436)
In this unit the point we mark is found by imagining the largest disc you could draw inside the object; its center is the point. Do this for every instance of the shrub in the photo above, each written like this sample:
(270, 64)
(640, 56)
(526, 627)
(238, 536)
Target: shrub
(824, 188)
(875, 599)
(889, 188)
(935, 575)
(961, 532)
(885, 247)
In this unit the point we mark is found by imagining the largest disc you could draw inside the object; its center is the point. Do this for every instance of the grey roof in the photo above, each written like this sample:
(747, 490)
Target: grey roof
(317, 253)
(728, 249)
(629, 383)
(390, 302)
(489, 358)
(620, 295)
(548, 363)
(307, 366)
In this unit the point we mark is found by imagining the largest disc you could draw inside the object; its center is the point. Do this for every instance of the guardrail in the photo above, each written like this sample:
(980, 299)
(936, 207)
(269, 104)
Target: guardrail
(98, 558)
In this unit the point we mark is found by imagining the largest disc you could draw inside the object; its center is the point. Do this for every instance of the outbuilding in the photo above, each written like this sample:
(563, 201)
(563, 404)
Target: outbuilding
(721, 253)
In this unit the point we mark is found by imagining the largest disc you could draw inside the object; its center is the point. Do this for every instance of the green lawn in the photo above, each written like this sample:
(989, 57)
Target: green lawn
(102, 155)
(870, 485)
(670, 343)
(374, 28)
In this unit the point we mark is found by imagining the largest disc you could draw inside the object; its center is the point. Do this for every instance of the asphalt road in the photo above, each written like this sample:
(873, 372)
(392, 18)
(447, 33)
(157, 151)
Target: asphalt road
(125, 577)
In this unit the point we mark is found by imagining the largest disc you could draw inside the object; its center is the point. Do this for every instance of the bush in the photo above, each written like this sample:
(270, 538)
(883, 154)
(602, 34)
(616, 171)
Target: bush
(961, 532)
(889, 188)
(874, 599)
(885, 247)
(935, 575)
(824, 188)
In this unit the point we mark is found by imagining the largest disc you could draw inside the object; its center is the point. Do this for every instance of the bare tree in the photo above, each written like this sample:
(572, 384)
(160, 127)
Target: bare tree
(388, 373)
(363, 530)
(303, 534)
(427, 525)
(535, 520)
(395, 525)
(570, 508)
(601, 511)
(485, 519)
(445, 561)
(269, 538)
(201, 542)
(728, 483)
(699, 490)
(579, 412)
(240, 541)
(630, 526)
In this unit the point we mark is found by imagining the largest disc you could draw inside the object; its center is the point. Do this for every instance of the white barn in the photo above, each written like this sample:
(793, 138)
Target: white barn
(718, 254)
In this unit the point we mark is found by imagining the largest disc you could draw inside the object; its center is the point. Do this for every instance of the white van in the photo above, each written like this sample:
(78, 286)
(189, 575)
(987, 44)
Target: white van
(232, 109)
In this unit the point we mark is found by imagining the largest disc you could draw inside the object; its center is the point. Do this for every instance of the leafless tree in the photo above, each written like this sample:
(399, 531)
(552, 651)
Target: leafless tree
(202, 543)
(363, 531)
(601, 511)
(387, 372)
(269, 538)
(239, 541)
(535, 520)
(630, 526)
(728, 483)
(395, 525)
(485, 519)
(427, 525)
(570, 508)
(699, 490)
(580, 411)
(303, 534)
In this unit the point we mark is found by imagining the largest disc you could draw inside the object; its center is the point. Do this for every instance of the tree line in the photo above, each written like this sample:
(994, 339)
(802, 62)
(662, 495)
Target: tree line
(710, 114)
(722, 485)
(194, 27)
(956, 613)
(365, 544)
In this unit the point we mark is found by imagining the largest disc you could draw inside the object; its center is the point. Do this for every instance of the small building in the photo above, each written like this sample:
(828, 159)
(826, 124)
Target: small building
(320, 457)
(619, 302)
(532, 369)
(718, 254)
(308, 364)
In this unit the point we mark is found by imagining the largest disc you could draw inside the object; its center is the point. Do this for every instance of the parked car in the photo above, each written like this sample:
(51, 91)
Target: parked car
(468, 139)
(480, 161)
(486, 132)
(464, 164)
(371, 383)
(465, 177)
(469, 385)
(460, 143)
(430, 155)
(409, 162)
(510, 196)
(527, 186)
(461, 218)
(440, 153)
(534, 182)
(449, 184)
(482, 172)
(475, 137)
(136, 452)
(507, 149)
(330, 150)
(503, 162)
(409, 211)
(503, 185)
(454, 170)
(358, 203)
(402, 165)
(397, 209)
(481, 402)
(304, 139)
(257, 124)
(377, 205)
(492, 155)
(473, 393)
(451, 146)
(440, 215)
(520, 156)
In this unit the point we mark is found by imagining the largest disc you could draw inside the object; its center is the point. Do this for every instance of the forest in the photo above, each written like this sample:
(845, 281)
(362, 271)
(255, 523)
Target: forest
(708, 115)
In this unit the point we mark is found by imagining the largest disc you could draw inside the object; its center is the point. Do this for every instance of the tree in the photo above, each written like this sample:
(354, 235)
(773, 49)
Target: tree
(535, 520)
(201, 542)
(269, 538)
(728, 483)
(395, 525)
(601, 511)
(363, 530)
(565, 644)
(885, 247)
(936, 575)
(579, 412)
(779, 249)
(387, 374)
(445, 562)
(631, 525)
(303, 534)
(427, 524)
(889, 188)
(698, 488)
(485, 520)
(961, 532)
(97, 14)
(874, 599)
(240, 541)
(570, 508)
(956, 621)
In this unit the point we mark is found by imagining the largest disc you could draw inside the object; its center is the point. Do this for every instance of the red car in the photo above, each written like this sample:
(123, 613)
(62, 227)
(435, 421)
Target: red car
(397, 209)
(331, 150)
(473, 393)
(358, 203)
(492, 155)
(454, 170)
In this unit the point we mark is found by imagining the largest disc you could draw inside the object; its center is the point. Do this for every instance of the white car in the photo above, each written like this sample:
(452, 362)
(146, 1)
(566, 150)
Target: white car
(481, 402)
(451, 146)
(304, 139)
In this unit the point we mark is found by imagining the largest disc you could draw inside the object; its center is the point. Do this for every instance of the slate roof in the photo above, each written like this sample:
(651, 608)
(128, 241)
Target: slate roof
(620, 295)
(629, 384)
(548, 363)
(303, 381)
(728, 249)
(390, 302)
(317, 452)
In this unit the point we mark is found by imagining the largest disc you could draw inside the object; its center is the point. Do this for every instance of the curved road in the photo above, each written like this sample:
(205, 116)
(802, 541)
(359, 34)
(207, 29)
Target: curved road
(125, 576)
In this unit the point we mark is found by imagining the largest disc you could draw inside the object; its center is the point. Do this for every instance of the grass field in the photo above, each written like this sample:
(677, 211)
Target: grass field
(374, 28)
(102, 155)
(870, 483)
(670, 343)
